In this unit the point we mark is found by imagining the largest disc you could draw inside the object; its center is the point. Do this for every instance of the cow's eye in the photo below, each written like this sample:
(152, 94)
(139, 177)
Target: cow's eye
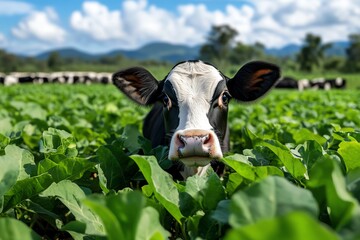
(225, 98)
(166, 102)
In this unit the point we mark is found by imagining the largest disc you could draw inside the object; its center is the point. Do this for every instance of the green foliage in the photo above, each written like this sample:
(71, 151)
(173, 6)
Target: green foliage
(75, 166)
(311, 55)
(219, 44)
(353, 54)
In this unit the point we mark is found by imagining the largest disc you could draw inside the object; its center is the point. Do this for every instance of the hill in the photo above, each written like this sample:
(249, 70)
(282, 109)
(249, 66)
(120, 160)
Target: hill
(160, 51)
(175, 52)
(68, 53)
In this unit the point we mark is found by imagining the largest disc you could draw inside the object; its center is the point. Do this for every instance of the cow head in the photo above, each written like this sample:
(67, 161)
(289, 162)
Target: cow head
(195, 97)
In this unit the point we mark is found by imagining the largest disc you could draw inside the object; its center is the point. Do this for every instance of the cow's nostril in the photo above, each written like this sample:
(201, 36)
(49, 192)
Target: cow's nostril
(207, 139)
(181, 141)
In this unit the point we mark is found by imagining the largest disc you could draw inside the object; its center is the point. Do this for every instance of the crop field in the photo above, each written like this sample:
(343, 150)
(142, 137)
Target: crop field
(74, 165)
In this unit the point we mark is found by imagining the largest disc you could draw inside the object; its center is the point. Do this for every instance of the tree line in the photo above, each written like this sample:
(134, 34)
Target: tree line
(220, 48)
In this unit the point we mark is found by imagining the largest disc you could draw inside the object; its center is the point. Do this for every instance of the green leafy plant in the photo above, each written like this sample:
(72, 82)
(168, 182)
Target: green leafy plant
(74, 165)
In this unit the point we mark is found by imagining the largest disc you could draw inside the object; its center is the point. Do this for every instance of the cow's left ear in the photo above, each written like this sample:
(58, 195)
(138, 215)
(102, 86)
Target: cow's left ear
(253, 80)
(138, 84)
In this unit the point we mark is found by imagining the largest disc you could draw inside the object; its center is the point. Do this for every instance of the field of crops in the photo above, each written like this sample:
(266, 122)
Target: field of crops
(73, 165)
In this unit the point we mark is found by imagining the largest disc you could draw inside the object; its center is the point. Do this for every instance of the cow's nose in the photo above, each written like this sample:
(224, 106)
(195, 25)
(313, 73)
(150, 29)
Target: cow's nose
(195, 147)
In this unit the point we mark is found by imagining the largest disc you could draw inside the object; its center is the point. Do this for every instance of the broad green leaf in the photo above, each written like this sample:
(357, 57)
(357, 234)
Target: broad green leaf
(10, 169)
(244, 168)
(207, 191)
(126, 217)
(222, 212)
(12, 229)
(310, 152)
(302, 135)
(209, 228)
(117, 168)
(4, 141)
(328, 185)
(353, 182)
(292, 164)
(70, 168)
(131, 136)
(294, 226)
(149, 226)
(350, 152)
(26, 188)
(55, 141)
(162, 183)
(273, 196)
(5, 125)
(71, 196)
(76, 229)
(30, 109)
(234, 182)
(28, 166)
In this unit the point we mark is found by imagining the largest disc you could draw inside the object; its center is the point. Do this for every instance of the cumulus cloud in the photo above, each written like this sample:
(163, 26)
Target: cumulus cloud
(14, 7)
(98, 21)
(2, 39)
(274, 23)
(41, 25)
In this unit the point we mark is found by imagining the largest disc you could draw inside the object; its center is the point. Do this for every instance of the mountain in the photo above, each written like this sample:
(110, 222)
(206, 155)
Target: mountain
(336, 49)
(153, 51)
(160, 51)
(68, 53)
(287, 50)
(175, 52)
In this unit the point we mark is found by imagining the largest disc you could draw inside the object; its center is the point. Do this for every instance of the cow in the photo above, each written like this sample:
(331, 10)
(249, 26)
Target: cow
(287, 82)
(2, 78)
(338, 82)
(190, 107)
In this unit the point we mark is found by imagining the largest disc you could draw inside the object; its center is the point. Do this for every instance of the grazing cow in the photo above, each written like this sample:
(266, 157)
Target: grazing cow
(287, 82)
(190, 108)
(337, 82)
(2, 78)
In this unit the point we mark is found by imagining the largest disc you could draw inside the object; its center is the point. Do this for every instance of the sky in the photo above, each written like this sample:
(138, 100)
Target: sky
(30, 27)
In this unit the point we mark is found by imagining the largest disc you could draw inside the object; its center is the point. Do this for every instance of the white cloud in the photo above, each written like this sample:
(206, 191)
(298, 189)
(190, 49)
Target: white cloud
(14, 7)
(41, 25)
(2, 39)
(97, 21)
(290, 20)
(136, 22)
(274, 23)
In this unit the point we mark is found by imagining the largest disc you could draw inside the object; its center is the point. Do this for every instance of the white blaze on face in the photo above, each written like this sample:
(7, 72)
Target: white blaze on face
(194, 84)
(194, 141)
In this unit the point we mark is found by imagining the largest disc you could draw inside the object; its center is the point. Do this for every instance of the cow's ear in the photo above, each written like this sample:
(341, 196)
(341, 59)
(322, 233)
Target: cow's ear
(138, 84)
(253, 80)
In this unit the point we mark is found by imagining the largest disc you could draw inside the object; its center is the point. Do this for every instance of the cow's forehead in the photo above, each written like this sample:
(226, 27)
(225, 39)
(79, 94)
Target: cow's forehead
(194, 80)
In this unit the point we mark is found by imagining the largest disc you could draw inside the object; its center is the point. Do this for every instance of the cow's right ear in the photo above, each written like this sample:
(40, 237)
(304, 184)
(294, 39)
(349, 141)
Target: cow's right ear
(253, 80)
(138, 84)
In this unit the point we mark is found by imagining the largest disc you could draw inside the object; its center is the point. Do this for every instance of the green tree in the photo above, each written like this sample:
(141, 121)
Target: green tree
(243, 53)
(311, 55)
(219, 43)
(353, 54)
(8, 62)
(54, 61)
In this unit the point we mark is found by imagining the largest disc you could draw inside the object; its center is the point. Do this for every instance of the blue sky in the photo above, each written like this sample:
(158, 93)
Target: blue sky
(30, 27)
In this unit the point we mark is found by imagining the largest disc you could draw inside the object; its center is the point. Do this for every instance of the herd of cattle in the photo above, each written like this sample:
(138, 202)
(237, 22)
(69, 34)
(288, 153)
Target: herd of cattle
(106, 78)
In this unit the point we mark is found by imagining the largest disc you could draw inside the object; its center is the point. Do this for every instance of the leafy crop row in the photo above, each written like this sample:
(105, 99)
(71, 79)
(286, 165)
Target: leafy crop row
(75, 166)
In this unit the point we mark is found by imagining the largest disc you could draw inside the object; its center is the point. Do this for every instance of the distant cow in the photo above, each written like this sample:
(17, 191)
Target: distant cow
(337, 82)
(2, 78)
(190, 108)
(287, 82)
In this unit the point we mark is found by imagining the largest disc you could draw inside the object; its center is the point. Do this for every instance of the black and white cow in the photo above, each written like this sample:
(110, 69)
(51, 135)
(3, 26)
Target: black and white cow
(190, 107)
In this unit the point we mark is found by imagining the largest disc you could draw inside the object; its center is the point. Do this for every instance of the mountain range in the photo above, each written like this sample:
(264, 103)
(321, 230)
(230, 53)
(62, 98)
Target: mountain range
(174, 53)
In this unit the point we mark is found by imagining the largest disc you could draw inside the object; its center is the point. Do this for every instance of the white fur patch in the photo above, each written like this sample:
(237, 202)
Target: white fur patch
(194, 84)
